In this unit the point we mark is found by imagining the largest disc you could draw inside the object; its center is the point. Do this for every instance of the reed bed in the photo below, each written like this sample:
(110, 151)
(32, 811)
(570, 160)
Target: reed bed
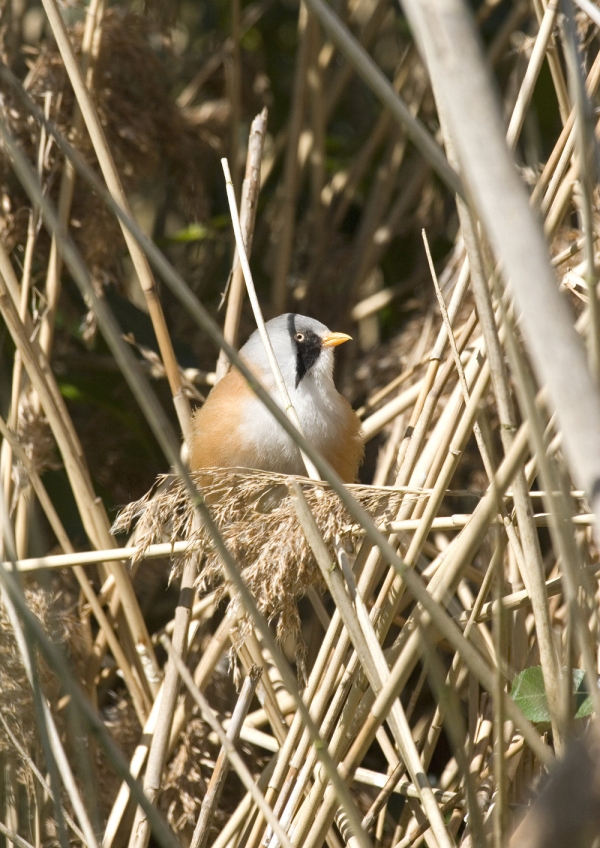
(246, 659)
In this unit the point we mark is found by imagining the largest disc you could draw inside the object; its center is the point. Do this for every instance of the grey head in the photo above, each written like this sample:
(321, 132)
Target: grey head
(302, 345)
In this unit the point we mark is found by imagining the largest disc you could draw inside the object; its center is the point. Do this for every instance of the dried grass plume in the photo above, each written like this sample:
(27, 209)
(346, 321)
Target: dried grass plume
(260, 528)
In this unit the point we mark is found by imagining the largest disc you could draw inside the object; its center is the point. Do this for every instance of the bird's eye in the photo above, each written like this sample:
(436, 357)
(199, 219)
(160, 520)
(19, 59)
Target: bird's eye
(299, 337)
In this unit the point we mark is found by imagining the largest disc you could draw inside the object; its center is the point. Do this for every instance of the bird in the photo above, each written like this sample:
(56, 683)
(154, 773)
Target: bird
(234, 429)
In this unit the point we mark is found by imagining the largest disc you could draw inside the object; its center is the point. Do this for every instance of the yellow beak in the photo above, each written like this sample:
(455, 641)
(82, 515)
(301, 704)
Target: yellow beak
(335, 339)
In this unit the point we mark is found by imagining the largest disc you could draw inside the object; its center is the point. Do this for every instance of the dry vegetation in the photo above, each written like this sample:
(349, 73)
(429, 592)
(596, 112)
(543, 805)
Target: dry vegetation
(399, 662)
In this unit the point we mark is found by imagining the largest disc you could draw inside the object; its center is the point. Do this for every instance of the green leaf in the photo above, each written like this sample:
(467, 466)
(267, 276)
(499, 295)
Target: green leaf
(70, 392)
(194, 232)
(584, 705)
(529, 692)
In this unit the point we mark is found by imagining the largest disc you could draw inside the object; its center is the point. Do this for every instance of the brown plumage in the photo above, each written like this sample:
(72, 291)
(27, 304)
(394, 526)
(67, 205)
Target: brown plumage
(234, 429)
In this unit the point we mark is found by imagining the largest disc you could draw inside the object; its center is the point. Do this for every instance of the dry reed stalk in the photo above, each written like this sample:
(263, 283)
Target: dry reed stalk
(228, 747)
(317, 118)
(368, 70)
(202, 674)
(555, 484)
(260, 322)
(376, 207)
(156, 756)
(215, 788)
(248, 206)
(530, 559)
(424, 465)
(371, 657)
(533, 69)
(233, 71)
(286, 212)
(586, 141)
(137, 693)
(89, 53)
(91, 510)
(113, 182)
(525, 256)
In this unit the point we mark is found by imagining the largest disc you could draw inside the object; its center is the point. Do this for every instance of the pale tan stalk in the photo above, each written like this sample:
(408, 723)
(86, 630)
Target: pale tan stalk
(202, 674)
(113, 182)
(215, 787)
(252, 296)
(366, 68)
(138, 696)
(372, 660)
(140, 831)
(53, 747)
(38, 776)
(236, 761)
(157, 551)
(515, 236)
(233, 70)
(560, 86)
(17, 375)
(287, 207)
(586, 155)
(248, 205)
(89, 53)
(529, 558)
(91, 509)
(559, 510)
(531, 74)
(500, 718)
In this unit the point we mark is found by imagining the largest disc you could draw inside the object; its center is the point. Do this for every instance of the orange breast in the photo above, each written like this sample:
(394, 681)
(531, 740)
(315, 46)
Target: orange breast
(217, 433)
